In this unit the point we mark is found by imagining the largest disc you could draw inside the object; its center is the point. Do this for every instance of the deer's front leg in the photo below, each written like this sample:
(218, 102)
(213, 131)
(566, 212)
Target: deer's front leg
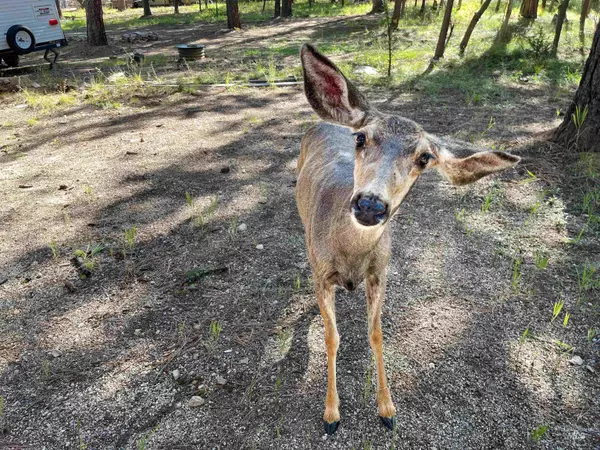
(375, 297)
(326, 298)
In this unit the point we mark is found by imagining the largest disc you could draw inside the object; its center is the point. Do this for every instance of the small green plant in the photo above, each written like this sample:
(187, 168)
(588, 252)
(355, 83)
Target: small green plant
(278, 382)
(215, 331)
(284, 339)
(541, 260)
(557, 308)
(566, 319)
(298, 282)
(52, 246)
(587, 279)
(88, 190)
(578, 118)
(539, 432)
(524, 335)
(82, 444)
(181, 332)
(531, 177)
(209, 210)
(490, 126)
(591, 334)
(130, 237)
(233, 226)
(189, 199)
(539, 42)
(516, 272)
(142, 442)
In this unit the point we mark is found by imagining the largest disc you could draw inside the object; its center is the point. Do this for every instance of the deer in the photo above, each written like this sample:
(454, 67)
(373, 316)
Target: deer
(353, 172)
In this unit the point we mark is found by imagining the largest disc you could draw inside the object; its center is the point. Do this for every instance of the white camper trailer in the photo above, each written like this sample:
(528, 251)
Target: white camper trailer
(27, 26)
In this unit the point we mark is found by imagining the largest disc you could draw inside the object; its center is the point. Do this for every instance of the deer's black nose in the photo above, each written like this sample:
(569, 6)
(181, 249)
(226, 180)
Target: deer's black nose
(369, 209)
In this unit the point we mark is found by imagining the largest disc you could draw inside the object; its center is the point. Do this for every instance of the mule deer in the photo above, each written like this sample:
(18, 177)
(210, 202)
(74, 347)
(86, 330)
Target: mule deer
(349, 187)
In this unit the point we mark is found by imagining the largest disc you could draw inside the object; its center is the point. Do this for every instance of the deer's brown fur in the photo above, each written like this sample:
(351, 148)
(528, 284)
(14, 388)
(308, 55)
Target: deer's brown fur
(332, 171)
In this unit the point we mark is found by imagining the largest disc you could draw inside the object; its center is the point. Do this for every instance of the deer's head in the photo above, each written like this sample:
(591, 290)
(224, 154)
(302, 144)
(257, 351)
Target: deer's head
(391, 151)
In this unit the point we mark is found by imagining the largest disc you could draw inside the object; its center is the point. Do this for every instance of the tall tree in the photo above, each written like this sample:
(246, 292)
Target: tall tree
(398, 12)
(441, 44)
(504, 33)
(176, 5)
(277, 12)
(574, 131)
(560, 18)
(121, 5)
(147, 11)
(96, 34)
(58, 9)
(585, 10)
(472, 25)
(529, 9)
(233, 14)
(378, 7)
(286, 8)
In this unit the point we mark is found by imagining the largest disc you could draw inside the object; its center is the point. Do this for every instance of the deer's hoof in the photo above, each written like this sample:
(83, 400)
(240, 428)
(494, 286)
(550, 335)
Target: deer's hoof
(388, 422)
(332, 427)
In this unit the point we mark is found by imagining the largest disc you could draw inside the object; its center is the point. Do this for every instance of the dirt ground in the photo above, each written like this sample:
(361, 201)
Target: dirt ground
(194, 303)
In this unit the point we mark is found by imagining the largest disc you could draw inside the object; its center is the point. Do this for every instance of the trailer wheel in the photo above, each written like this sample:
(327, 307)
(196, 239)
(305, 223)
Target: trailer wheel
(20, 39)
(11, 59)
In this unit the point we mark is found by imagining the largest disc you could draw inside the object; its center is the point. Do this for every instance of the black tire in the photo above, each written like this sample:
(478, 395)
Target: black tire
(20, 39)
(11, 59)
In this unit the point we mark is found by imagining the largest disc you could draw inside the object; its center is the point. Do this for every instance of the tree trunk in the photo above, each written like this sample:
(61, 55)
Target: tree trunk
(441, 45)
(378, 7)
(277, 9)
(543, 4)
(121, 5)
(472, 25)
(585, 10)
(504, 33)
(398, 7)
(562, 13)
(147, 11)
(498, 4)
(96, 34)
(529, 9)
(176, 5)
(588, 95)
(59, 9)
(422, 10)
(286, 8)
(459, 4)
(233, 14)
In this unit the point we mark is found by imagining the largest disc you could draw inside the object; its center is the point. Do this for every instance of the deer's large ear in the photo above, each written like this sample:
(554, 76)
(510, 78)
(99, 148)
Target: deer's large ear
(328, 91)
(460, 171)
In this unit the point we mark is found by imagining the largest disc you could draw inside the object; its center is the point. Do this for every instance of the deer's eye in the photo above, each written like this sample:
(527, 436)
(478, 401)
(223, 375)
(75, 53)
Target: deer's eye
(424, 160)
(359, 139)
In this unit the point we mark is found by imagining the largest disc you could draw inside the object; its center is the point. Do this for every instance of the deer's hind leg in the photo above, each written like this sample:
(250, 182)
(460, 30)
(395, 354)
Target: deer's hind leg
(375, 296)
(326, 298)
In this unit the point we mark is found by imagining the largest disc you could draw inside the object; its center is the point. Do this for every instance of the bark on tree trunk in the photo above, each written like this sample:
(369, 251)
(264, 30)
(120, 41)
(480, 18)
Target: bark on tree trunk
(441, 45)
(96, 34)
(377, 7)
(422, 10)
(585, 10)
(504, 33)
(147, 11)
(277, 9)
(398, 9)
(472, 25)
(121, 5)
(233, 15)
(562, 13)
(176, 4)
(286, 8)
(543, 4)
(59, 9)
(529, 9)
(588, 95)
(498, 3)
